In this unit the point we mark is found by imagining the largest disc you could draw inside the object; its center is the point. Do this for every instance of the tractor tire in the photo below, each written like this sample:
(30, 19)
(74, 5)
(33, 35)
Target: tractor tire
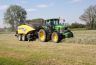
(56, 37)
(24, 38)
(20, 37)
(72, 34)
(42, 35)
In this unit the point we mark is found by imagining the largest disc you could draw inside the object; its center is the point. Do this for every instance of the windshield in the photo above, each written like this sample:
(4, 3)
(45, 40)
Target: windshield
(54, 22)
(58, 21)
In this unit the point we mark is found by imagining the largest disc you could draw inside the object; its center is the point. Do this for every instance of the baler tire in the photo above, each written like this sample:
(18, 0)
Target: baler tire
(20, 37)
(24, 38)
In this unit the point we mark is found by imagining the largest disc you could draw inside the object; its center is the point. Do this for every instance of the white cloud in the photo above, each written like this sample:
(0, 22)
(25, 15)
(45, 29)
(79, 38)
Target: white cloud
(42, 6)
(45, 5)
(75, 1)
(39, 6)
(30, 9)
(3, 7)
(23, 1)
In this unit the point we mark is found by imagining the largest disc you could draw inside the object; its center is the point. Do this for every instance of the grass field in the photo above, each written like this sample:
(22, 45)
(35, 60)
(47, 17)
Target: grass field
(80, 50)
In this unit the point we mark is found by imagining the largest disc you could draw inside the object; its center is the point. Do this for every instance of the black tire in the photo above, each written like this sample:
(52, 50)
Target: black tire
(28, 37)
(20, 37)
(56, 37)
(72, 35)
(42, 35)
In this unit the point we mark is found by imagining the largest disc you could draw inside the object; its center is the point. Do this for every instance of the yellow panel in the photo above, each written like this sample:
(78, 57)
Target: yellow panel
(24, 29)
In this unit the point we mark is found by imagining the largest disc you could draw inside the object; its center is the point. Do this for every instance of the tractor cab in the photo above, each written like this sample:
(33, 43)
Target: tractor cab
(53, 22)
(56, 24)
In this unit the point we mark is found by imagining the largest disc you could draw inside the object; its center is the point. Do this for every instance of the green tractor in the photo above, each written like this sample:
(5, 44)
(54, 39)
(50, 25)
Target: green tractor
(54, 30)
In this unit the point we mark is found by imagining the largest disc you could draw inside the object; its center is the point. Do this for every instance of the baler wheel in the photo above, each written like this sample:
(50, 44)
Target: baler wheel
(24, 38)
(20, 37)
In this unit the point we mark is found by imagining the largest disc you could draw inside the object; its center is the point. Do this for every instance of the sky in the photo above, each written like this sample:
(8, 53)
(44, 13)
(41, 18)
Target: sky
(70, 10)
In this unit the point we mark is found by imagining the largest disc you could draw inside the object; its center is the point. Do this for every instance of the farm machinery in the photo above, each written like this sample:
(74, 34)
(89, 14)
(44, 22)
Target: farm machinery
(51, 29)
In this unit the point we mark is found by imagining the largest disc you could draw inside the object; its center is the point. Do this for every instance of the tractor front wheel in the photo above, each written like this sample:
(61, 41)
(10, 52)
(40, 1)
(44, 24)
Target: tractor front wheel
(56, 37)
(42, 35)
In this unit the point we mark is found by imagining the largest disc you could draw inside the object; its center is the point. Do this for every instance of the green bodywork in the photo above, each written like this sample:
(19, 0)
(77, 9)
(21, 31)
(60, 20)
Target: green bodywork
(58, 26)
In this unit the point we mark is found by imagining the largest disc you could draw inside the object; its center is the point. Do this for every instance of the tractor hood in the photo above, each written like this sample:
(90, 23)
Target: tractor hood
(57, 27)
(64, 31)
(61, 28)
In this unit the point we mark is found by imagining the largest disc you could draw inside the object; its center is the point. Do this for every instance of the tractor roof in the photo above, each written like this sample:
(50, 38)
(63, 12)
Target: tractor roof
(52, 19)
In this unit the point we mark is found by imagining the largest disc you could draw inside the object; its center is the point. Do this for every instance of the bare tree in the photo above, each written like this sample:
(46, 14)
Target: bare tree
(89, 16)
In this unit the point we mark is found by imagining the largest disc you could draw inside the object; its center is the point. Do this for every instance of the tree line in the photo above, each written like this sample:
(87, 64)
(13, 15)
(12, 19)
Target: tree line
(16, 15)
(89, 17)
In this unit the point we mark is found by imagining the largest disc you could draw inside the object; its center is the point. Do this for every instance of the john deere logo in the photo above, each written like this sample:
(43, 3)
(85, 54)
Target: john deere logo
(23, 29)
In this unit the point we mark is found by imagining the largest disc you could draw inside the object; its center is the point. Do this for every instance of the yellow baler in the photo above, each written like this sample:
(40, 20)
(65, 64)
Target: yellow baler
(24, 29)
(23, 32)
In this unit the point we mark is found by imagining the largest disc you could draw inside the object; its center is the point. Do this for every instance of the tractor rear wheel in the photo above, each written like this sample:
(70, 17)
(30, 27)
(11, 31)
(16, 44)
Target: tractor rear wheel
(42, 35)
(20, 37)
(56, 37)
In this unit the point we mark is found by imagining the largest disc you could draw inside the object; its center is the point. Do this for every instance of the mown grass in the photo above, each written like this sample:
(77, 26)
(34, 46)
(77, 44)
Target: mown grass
(14, 52)
(83, 37)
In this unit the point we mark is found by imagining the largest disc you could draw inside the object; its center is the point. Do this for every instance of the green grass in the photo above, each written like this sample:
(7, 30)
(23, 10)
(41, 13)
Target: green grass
(10, 61)
(80, 50)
